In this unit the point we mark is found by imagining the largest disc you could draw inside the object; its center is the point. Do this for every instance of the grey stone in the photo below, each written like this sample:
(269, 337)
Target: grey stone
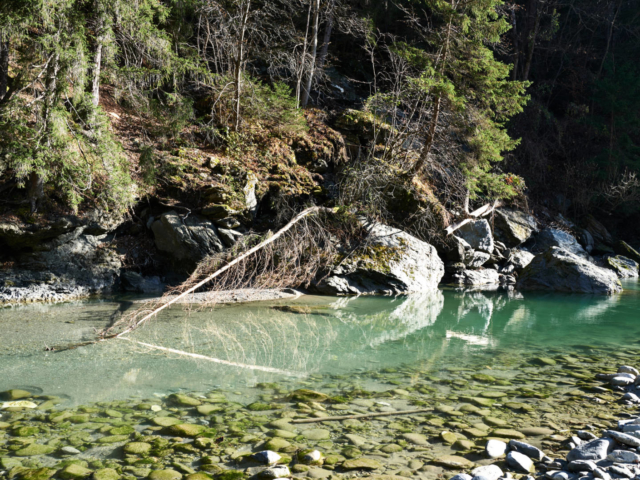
(267, 456)
(582, 466)
(134, 282)
(520, 462)
(623, 438)
(628, 369)
(551, 237)
(461, 476)
(601, 474)
(621, 471)
(70, 450)
(513, 227)
(478, 234)
(477, 259)
(484, 276)
(229, 237)
(189, 239)
(520, 259)
(281, 471)
(560, 270)
(621, 381)
(623, 456)
(594, 450)
(529, 450)
(392, 262)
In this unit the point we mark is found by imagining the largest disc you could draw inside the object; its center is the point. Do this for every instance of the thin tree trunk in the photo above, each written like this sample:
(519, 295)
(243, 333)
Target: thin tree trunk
(532, 35)
(324, 51)
(239, 61)
(303, 58)
(4, 68)
(314, 51)
(433, 124)
(97, 59)
(612, 21)
(516, 44)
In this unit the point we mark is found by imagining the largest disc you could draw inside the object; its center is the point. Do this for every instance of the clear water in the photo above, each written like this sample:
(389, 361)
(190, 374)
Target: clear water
(328, 336)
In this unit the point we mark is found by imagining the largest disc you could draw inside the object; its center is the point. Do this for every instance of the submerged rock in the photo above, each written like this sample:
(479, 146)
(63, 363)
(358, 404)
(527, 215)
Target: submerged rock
(392, 262)
(626, 250)
(484, 276)
(560, 270)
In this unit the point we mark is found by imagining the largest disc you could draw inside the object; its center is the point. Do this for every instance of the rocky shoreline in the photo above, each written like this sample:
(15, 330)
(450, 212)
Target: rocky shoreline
(76, 258)
(551, 419)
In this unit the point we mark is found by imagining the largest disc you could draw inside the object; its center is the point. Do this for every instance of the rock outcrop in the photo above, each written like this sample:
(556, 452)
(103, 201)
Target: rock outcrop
(514, 227)
(560, 270)
(392, 263)
(623, 248)
(187, 240)
(484, 276)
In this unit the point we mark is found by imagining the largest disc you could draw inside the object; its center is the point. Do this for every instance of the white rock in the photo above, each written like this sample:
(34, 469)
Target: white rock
(461, 476)
(623, 438)
(281, 471)
(19, 404)
(631, 397)
(620, 381)
(312, 456)
(70, 450)
(487, 472)
(495, 448)
(628, 369)
(586, 436)
(520, 462)
(267, 456)
(156, 408)
(623, 456)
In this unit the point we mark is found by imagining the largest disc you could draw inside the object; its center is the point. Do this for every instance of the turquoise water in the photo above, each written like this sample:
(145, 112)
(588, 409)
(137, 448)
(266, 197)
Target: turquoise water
(345, 337)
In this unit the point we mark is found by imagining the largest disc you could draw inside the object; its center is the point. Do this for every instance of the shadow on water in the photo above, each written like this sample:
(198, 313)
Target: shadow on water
(312, 335)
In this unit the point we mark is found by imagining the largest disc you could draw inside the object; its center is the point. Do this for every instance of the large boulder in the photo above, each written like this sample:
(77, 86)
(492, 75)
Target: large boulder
(392, 263)
(477, 233)
(560, 270)
(552, 237)
(20, 236)
(520, 259)
(513, 227)
(603, 241)
(187, 240)
(623, 266)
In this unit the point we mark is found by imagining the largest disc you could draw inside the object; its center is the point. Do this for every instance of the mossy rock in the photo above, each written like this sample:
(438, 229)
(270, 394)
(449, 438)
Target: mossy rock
(166, 421)
(361, 464)
(463, 445)
(316, 434)
(74, 472)
(495, 422)
(333, 459)
(7, 463)
(124, 430)
(106, 474)
(282, 434)
(186, 430)
(259, 407)
(199, 476)
(392, 448)
(544, 361)
(449, 437)
(231, 475)
(137, 448)
(113, 439)
(508, 433)
(35, 449)
(453, 461)
(484, 378)
(276, 444)
(15, 394)
(207, 409)
(37, 474)
(183, 400)
(25, 431)
(167, 474)
(81, 418)
(113, 413)
(305, 395)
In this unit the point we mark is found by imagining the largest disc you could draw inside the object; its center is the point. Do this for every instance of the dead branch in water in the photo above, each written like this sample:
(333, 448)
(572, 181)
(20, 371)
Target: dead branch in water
(364, 415)
(257, 269)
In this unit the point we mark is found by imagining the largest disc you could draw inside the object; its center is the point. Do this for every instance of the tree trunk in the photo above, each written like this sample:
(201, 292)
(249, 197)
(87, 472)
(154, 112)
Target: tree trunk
(244, 18)
(433, 124)
(303, 58)
(532, 34)
(516, 44)
(324, 51)
(314, 51)
(36, 191)
(4, 68)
